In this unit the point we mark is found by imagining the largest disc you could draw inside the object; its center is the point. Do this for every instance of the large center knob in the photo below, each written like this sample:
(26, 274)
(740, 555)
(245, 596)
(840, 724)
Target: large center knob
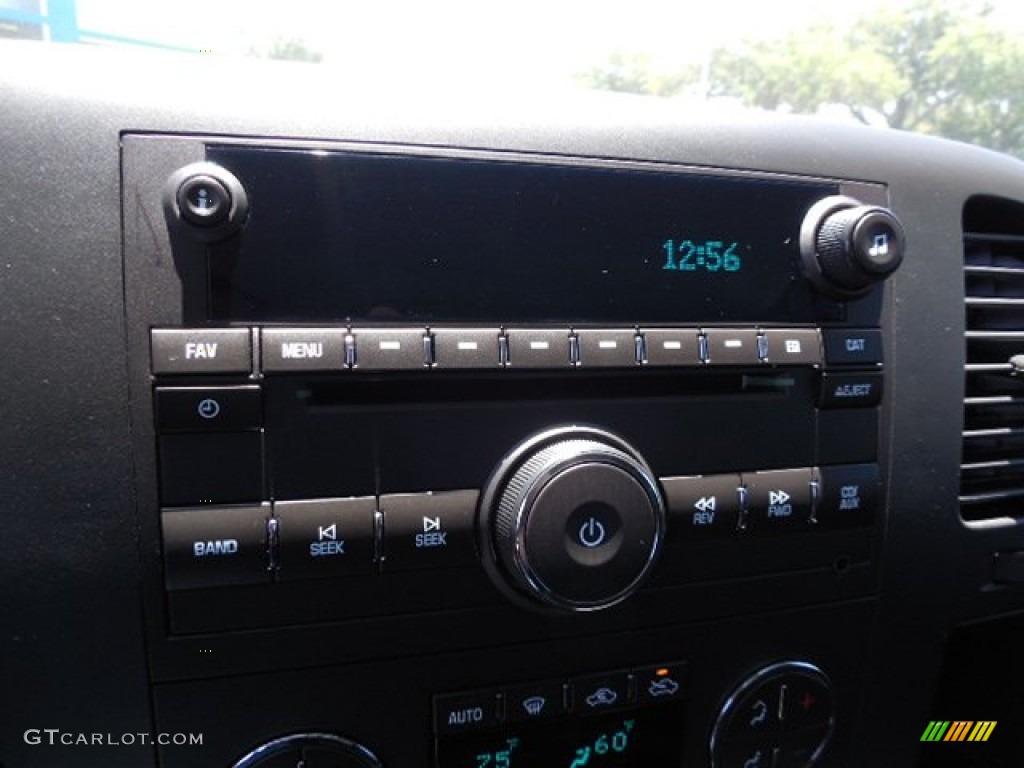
(575, 520)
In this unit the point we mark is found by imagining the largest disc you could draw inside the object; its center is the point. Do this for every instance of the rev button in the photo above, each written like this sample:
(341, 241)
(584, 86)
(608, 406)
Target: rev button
(702, 506)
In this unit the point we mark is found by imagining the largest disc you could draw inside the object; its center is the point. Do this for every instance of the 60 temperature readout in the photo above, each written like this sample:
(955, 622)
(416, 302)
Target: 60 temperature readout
(709, 256)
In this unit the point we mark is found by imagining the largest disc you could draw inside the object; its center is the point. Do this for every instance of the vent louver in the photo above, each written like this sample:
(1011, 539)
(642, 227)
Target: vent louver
(992, 467)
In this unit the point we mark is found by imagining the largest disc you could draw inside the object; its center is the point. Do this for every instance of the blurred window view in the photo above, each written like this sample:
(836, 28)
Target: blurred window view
(952, 68)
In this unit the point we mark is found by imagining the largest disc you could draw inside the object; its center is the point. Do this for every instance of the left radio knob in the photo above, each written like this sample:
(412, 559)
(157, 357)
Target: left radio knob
(574, 520)
(208, 200)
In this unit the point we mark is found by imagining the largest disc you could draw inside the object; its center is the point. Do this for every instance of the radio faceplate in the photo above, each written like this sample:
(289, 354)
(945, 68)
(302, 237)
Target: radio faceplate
(301, 442)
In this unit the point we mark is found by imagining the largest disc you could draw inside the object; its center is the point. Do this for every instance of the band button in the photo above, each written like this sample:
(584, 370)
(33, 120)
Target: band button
(215, 546)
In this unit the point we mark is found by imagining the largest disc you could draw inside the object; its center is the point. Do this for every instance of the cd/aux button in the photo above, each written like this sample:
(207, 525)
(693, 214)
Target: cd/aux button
(849, 496)
(215, 546)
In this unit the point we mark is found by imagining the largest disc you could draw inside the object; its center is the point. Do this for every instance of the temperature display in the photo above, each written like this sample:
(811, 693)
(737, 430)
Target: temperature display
(708, 256)
(639, 739)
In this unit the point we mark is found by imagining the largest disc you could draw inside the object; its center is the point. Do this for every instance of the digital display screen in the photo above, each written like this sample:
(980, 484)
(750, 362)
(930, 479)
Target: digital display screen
(361, 237)
(647, 738)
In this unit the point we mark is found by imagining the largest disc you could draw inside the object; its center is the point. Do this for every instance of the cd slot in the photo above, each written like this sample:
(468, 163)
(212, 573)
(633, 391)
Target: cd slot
(416, 389)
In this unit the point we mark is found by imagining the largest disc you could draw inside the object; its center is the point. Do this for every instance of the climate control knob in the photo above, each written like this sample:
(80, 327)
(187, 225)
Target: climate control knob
(848, 247)
(572, 519)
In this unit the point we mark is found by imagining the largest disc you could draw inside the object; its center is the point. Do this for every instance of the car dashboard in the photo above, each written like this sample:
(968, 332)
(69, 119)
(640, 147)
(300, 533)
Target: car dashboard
(456, 431)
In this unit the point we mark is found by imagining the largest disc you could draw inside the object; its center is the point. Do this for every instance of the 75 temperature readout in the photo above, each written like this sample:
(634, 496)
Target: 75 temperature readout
(709, 256)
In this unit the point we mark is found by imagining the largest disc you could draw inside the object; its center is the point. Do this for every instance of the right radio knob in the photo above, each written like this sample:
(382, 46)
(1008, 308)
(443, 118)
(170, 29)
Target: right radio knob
(847, 247)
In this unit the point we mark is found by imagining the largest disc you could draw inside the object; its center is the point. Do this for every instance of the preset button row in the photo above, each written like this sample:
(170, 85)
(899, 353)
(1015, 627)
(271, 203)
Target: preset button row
(230, 350)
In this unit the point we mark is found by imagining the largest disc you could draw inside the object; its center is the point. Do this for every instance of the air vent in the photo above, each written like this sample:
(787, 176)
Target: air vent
(992, 469)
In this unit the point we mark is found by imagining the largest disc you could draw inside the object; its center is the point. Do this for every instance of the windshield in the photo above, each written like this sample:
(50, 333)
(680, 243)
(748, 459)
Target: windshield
(945, 67)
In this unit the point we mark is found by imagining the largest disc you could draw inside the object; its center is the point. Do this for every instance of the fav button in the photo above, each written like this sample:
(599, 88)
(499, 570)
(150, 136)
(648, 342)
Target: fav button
(201, 350)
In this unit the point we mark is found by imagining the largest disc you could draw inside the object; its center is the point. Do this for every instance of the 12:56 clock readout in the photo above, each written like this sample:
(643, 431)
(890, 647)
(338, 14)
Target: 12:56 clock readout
(709, 256)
